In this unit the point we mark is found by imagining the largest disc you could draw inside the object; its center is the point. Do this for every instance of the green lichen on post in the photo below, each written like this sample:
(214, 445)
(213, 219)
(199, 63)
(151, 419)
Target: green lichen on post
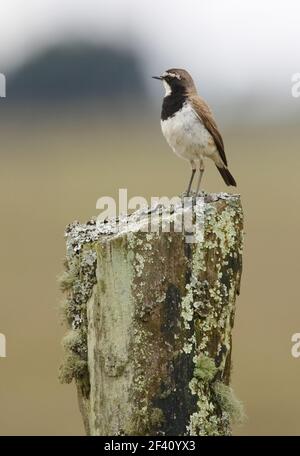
(77, 282)
(208, 313)
(218, 407)
(148, 352)
(205, 369)
(229, 403)
(150, 318)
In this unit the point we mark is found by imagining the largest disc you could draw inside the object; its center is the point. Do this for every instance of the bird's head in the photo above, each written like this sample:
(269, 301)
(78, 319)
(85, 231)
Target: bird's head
(177, 80)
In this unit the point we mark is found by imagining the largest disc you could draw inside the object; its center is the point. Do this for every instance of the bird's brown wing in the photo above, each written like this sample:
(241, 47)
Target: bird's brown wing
(205, 115)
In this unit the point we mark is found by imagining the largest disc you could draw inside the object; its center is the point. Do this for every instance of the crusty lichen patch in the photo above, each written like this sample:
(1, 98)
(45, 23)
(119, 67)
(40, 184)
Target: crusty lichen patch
(218, 407)
(77, 282)
(208, 313)
(149, 292)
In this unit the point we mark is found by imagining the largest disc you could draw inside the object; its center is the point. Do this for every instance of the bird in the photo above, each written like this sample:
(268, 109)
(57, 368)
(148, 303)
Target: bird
(189, 127)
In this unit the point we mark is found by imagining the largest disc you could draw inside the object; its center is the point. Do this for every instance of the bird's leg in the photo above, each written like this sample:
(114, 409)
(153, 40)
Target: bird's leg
(201, 171)
(191, 179)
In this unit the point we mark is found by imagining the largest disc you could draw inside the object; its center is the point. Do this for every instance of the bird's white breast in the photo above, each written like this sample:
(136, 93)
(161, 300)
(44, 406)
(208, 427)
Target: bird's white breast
(187, 135)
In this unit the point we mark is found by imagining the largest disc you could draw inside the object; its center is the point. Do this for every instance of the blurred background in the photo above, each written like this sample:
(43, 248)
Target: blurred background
(81, 120)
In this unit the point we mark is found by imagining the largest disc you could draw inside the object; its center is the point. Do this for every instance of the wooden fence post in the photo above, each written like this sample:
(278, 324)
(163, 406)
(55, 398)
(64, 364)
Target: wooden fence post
(150, 317)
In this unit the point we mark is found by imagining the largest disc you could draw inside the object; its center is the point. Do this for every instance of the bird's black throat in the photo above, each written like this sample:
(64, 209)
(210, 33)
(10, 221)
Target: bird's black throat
(172, 103)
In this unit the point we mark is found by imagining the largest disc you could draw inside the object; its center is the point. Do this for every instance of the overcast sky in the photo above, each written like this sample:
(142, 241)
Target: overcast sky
(230, 45)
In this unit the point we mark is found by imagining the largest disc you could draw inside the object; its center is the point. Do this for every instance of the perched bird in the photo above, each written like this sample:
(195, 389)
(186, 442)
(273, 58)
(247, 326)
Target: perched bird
(189, 127)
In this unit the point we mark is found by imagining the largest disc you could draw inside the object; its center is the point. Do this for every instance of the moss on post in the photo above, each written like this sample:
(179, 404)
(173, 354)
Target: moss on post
(150, 320)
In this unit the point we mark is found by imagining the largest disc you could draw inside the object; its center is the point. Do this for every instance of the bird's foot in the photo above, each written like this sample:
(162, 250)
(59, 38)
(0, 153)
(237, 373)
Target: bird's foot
(188, 194)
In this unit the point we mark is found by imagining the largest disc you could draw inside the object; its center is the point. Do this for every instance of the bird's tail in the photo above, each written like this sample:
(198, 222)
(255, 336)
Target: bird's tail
(227, 176)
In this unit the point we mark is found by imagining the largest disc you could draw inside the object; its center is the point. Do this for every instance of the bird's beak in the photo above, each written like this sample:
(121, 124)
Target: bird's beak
(157, 77)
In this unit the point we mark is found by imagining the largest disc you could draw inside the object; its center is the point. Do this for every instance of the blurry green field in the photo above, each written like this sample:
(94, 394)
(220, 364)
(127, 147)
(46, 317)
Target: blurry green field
(53, 171)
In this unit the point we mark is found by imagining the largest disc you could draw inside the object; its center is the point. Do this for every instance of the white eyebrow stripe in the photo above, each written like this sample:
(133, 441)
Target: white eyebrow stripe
(173, 75)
